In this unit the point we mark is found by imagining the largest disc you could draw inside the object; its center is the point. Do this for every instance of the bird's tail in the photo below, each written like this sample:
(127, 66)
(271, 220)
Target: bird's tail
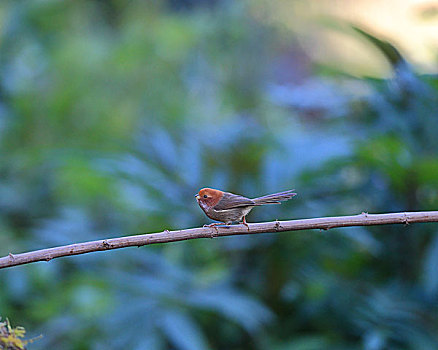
(275, 198)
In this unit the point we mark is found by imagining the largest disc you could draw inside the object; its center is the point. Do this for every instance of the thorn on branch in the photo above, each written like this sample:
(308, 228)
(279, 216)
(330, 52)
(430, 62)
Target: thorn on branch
(406, 219)
(215, 230)
(277, 225)
(11, 256)
(364, 214)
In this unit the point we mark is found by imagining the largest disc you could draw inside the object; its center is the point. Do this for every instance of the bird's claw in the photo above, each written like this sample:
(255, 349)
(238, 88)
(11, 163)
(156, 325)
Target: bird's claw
(214, 225)
(245, 223)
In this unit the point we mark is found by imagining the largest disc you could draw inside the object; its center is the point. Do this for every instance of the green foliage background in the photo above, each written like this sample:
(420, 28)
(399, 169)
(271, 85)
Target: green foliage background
(113, 114)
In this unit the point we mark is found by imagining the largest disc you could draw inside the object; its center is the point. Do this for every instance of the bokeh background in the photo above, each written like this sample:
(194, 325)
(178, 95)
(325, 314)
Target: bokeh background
(114, 113)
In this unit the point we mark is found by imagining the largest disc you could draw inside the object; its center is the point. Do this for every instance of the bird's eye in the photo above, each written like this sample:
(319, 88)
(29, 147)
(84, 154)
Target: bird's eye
(205, 196)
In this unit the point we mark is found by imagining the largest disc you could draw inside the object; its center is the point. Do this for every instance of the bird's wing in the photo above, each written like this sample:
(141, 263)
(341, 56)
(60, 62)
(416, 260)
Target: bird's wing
(230, 201)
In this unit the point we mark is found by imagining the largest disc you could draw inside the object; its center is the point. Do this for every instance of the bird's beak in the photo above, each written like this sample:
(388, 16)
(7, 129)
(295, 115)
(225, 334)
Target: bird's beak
(197, 196)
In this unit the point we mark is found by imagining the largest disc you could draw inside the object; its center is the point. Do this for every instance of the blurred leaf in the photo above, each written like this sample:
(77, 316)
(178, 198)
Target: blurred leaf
(243, 309)
(430, 269)
(385, 47)
(183, 331)
(307, 343)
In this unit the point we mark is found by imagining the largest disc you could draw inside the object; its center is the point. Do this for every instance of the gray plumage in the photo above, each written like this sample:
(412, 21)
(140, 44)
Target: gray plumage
(275, 198)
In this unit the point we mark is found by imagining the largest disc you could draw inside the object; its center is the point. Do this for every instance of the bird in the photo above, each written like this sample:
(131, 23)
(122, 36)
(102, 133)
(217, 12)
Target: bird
(228, 208)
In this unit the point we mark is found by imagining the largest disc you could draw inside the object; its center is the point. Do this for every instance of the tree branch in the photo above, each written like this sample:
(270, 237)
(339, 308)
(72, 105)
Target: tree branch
(363, 219)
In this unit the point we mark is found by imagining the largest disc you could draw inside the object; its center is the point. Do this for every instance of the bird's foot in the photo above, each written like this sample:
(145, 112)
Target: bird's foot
(245, 223)
(214, 225)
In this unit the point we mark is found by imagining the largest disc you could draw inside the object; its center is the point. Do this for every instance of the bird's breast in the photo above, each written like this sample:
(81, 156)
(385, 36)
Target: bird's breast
(204, 206)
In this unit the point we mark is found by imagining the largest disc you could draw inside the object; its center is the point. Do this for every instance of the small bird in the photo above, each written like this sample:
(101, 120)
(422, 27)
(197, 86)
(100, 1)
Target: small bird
(228, 207)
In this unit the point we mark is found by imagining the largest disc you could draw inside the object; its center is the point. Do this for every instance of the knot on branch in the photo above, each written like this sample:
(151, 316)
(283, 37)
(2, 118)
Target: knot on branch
(405, 219)
(277, 225)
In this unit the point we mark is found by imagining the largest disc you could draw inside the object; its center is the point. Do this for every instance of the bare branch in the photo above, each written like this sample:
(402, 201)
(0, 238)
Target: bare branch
(363, 219)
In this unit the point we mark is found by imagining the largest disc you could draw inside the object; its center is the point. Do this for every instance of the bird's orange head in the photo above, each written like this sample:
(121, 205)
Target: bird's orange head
(209, 196)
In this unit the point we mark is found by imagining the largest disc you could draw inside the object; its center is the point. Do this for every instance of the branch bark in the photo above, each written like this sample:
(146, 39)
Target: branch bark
(363, 219)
